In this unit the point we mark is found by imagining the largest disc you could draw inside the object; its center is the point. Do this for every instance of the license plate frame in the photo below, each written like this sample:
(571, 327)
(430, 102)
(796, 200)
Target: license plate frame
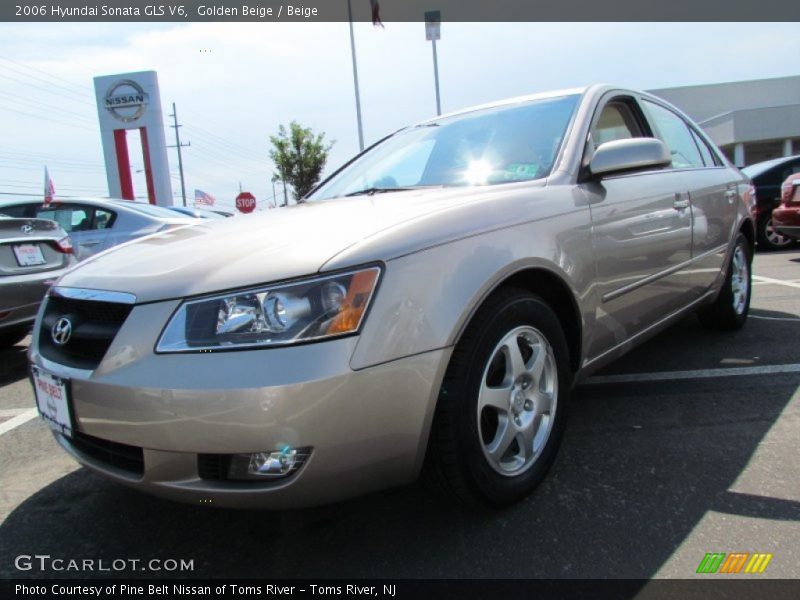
(53, 400)
(29, 255)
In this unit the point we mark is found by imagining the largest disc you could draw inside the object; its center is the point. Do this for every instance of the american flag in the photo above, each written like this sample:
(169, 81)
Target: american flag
(202, 198)
(49, 188)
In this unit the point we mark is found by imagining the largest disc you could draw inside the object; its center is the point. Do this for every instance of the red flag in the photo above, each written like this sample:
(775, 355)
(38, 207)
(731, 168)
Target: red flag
(376, 17)
(49, 189)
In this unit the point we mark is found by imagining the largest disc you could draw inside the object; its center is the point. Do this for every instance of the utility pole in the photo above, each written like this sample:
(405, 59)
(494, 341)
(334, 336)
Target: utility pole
(178, 145)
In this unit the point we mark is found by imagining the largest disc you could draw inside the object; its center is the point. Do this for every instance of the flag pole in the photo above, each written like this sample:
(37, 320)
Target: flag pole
(355, 78)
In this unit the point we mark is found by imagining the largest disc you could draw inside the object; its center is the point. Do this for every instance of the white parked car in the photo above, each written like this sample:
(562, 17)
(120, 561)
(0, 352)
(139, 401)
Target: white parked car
(95, 224)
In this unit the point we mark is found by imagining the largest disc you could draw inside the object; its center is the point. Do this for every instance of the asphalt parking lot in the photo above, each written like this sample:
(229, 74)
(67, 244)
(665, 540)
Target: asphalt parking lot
(657, 469)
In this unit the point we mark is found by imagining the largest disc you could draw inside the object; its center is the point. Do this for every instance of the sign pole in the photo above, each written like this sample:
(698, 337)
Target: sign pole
(436, 79)
(433, 22)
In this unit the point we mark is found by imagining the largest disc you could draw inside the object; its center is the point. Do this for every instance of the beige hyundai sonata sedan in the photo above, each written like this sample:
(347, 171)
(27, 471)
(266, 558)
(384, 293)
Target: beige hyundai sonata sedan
(426, 308)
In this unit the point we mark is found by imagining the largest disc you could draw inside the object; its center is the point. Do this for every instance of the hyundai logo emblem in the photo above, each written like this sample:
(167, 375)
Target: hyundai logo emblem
(26, 229)
(61, 331)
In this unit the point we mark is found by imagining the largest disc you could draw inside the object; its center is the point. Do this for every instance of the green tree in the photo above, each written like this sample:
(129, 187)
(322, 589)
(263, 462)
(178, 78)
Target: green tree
(299, 156)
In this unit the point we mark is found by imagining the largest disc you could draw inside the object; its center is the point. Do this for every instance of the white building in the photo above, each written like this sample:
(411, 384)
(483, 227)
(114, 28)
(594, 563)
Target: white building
(750, 121)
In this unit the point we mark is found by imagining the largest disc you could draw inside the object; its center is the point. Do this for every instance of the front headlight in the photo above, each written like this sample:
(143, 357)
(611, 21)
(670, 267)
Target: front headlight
(276, 315)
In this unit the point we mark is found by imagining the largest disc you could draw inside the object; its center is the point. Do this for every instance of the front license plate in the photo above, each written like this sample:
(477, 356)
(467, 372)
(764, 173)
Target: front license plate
(52, 400)
(29, 255)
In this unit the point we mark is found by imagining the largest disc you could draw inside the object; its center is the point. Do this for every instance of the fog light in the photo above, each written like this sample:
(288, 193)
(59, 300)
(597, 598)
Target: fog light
(266, 465)
(272, 464)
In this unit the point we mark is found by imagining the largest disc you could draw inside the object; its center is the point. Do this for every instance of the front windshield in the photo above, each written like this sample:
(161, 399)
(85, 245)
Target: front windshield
(517, 142)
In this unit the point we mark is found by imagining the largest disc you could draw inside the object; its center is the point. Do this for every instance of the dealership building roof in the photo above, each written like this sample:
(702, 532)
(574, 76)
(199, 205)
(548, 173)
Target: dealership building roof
(750, 121)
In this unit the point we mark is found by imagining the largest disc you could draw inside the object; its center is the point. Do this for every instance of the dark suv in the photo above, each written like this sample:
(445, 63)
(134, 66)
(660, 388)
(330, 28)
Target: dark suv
(767, 178)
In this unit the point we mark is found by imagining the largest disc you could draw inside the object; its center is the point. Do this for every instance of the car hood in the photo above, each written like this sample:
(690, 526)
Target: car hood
(278, 244)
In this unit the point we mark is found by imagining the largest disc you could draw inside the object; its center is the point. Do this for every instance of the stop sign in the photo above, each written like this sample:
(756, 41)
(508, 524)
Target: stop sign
(246, 202)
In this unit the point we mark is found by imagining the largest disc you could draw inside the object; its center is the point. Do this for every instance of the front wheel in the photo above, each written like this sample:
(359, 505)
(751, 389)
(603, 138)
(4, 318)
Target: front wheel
(502, 407)
(768, 238)
(729, 311)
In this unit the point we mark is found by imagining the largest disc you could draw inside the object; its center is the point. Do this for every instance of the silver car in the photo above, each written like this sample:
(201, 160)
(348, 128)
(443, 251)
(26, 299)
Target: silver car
(95, 224)
(33, 253)
(428, 307)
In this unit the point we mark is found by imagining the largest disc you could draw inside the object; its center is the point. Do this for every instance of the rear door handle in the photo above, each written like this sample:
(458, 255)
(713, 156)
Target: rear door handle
(731, 196)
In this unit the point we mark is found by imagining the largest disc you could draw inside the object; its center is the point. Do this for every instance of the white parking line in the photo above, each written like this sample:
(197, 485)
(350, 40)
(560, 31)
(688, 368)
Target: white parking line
(22, 416)
(791, 284)
(696, 374)
(792, 319)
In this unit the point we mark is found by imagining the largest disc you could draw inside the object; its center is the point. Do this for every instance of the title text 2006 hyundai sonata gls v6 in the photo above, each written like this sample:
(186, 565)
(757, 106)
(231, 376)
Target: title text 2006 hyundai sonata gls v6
(429, 306)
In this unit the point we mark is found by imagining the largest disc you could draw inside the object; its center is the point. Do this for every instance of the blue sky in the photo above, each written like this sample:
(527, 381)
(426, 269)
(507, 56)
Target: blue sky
(251, 77)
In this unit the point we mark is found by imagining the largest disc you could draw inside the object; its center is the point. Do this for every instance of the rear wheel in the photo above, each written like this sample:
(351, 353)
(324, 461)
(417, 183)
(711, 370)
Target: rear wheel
(730, 309)
(502, 407)
(768, 238)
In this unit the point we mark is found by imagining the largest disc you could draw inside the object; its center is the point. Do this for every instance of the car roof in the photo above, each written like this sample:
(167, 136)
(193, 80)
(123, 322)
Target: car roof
(509, 101)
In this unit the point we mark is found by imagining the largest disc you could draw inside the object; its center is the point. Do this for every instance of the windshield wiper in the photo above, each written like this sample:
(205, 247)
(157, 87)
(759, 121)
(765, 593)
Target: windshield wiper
(381, 190)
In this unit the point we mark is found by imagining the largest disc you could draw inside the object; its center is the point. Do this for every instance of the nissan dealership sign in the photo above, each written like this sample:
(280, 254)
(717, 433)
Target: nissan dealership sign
(131, 103)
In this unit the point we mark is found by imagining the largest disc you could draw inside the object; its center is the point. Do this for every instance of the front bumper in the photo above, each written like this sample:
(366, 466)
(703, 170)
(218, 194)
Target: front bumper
(367, 429)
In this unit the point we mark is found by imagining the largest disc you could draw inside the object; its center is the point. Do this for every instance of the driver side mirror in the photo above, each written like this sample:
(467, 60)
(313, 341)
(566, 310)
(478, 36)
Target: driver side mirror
(629, 155)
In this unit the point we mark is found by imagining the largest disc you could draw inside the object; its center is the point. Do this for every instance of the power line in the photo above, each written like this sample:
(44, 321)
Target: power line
(53, 75)
(44, 89)
(78, 96)
(45, 118)
(27, 102)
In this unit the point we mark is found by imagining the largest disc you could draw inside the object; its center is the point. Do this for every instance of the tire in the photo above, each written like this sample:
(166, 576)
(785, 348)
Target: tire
(767, 237)
(465, 457)
(729, 311)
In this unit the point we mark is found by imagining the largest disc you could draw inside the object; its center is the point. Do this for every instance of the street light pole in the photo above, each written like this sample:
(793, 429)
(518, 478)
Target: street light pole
(355, 78)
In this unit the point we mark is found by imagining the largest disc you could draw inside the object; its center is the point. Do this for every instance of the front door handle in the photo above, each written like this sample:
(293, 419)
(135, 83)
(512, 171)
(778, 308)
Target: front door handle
(731, 196)
(680, 203)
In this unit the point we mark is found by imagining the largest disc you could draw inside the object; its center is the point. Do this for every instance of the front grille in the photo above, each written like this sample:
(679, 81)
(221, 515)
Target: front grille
(94, 326)
(121, 456)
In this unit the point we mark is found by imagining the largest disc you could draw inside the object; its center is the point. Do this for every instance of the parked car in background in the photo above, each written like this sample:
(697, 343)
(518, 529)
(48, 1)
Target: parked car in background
(431, 303)
(33, 253)
(97, 224)
(786, 218)
(197, 213)
(767, 178)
